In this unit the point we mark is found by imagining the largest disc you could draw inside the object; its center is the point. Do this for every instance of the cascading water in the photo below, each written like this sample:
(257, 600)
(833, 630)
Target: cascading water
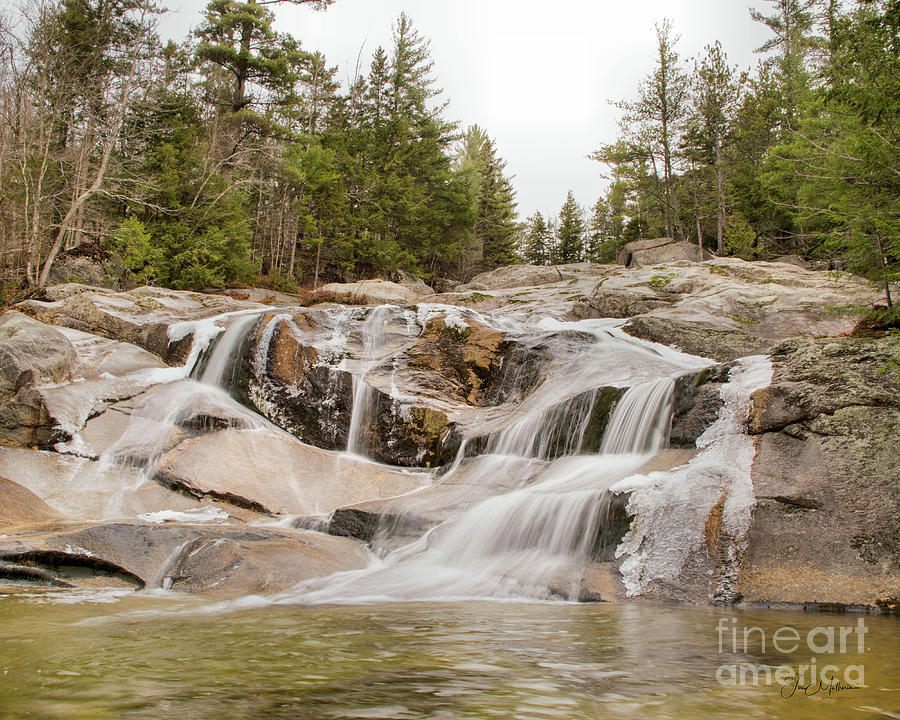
(532, 542)
(169, 406)
(372, 337)
(222, 368)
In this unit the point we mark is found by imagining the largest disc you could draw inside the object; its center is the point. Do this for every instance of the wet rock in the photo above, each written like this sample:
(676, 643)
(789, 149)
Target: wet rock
(696, 338)
(404, 434)
(81, 489)
(826, 478)
(696, 402)
(19, 506)
(272, 473)
(222, 561)
(463, 362)
(31, 355)
(290, 387)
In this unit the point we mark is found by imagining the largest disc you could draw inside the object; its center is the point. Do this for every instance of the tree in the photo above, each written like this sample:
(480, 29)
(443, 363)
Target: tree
(792, 24)
(537, 240)
(717, 92)
(570, 246)
(92, 53)
(657, 119)
(846, 153)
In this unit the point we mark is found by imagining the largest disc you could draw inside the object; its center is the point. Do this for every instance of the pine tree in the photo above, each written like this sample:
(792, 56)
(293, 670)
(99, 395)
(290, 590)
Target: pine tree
(656, 122)
(570, 244)
(717, 92)
(537, 240)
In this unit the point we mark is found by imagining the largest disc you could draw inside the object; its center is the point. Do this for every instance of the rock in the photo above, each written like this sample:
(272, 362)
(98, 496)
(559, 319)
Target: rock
(696, 403)
(290, 387)
(444, 285)
(89, 263)
(81, 489)
(417, 285)
(390, 522)
(31, 355)
(19, 505)
(624, 303)
(811, 379)
(792, 260)
(514, 276)
(272, 473)
(463, 362)
(824, 528)
(142, 316)
(45, 410)
(214, 561)
(657, 250)
(746, 307)
(697, 338)
(409, 435)
(374, 292)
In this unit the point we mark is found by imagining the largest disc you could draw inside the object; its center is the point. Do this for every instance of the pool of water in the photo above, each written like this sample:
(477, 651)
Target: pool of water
(155, 657)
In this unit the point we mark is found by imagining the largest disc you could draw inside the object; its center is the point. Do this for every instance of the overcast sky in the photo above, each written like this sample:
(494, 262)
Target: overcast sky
(538, 76)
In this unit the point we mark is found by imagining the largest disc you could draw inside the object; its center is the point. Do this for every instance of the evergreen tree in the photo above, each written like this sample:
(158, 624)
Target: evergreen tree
(845, 152)
(717, 93)
(570, 244)
(495, 223)
(537, 240)
(656, 121)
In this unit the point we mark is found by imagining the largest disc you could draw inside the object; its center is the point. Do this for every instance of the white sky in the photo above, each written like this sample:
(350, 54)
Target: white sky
(538, 76)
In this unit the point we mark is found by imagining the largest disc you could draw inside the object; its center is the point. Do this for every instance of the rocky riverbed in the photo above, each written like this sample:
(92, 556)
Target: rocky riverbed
(214, 445)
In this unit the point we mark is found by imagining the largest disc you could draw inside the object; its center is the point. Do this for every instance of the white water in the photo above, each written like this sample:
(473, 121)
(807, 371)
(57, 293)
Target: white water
(155, 421)
(532, 542)
(536, 539)
(372, 337)
(225, 355)
(671, 508)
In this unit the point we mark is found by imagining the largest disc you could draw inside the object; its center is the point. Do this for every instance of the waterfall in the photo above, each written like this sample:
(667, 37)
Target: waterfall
(372, 337)
(225, 356)
(529, 543)
(640, 421)
(168, 406)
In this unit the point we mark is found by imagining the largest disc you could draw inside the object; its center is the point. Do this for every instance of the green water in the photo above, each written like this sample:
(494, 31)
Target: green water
(146, 657)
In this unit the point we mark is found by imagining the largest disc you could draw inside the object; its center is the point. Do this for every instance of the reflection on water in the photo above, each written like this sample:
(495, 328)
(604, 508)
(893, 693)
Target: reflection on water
(135, 658)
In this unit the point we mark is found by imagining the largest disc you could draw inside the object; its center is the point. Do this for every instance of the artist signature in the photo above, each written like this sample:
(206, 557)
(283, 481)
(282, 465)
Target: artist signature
(832, 687)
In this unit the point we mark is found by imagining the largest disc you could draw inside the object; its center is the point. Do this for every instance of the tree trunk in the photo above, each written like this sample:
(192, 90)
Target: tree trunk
(720, 197)
(882, 265)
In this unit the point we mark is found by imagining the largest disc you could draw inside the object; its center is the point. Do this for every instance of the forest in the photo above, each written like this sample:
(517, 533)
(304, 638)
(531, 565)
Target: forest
(236, 156)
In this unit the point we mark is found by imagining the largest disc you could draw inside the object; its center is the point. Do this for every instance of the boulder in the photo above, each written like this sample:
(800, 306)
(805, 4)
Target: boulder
(89, 263)
(658, 250)
(824, 528)
(417, 285)
(514, 276)
(31, 355)
(376, 292)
